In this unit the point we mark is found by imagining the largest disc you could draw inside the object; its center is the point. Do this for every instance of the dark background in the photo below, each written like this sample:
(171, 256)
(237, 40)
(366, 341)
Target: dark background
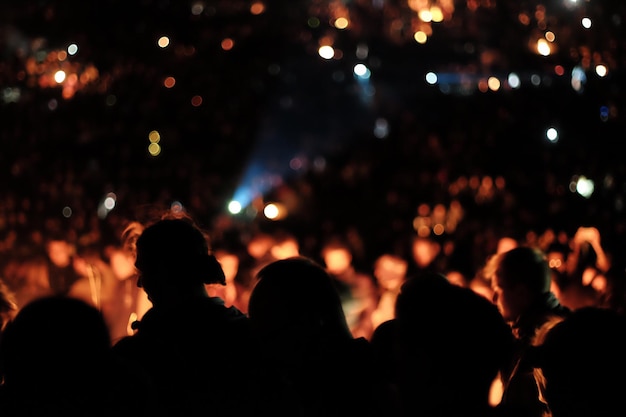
(271, 99)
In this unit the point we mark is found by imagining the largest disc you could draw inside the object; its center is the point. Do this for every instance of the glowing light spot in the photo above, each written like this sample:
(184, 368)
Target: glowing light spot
(586, 22)
(177, 207)
(584, 186)
(53, 104)
(550, 36)
(62, 56)
(420, 37)
(514, 80)
(234, 207)
(559, 70)
(67, 212)
(169, 82)
(436, 14)
(579, 78)
(552, 135)
(163, 42)
(425, 15)
(271, 211)
(72, 49)
(431, 78)
(196, 101)
(438, 229)
(543, 47)
(59, 76)
(109, 203)
(257, 8)
(381, 128)
(227, 44)
(601, 70)
(154, 136)
(154, 149)
(361, 71)
(341, 23)
(493, 83)
(326, 51)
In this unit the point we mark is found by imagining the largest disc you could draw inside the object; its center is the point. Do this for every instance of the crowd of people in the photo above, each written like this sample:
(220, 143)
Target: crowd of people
(176, 323)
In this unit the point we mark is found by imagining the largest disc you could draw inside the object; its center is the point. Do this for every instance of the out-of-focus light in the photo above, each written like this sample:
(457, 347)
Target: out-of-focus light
(559, 70)
(227, 44)
(579, 78)
(313, 22)
(62, 56)
(59, 76)
(234, 207)
(67, 212)
(584, 186)
(154, 149)
(296, 164)
(550, 36)
(362, 51)
(535, 80)
(493, 83)
(163, 42)
(341, 23)
(552, 134)
(438, 229)
(381, 128)
(361, 71)
(257, 8)
(169, 82)
(326, 51)
(431, 78)
(72, 49)
(514, 80)
(425, 15)
(543, 47)
(154, 136)
(420, 37)
(109, 203)
(53, 104)
(177, 207)
(601, 70)
(197, 8)
(586, 22)
(196, 101)
(271, 211)
(604, 113)
(436, 13)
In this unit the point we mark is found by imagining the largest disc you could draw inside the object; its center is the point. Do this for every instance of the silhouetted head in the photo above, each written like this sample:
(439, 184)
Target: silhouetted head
(173, 256)
(582, 366)
(519, 278)
(452, 341)
(53, 339)
(297, 297)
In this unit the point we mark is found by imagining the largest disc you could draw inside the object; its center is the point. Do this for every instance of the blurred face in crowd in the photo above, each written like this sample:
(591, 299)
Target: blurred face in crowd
(511, 299)
(337, 260)
(60, 253)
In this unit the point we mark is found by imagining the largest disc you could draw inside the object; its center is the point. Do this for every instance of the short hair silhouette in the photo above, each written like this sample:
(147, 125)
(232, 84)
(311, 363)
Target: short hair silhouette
(527, 266)
(581, 364)
(176, 250)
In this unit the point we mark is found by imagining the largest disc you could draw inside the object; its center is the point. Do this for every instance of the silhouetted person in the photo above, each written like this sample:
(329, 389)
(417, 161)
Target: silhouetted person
(582, 364)
(55, 359)
(192, 345)
(521, 281)
(448, 345)
(310, 363)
